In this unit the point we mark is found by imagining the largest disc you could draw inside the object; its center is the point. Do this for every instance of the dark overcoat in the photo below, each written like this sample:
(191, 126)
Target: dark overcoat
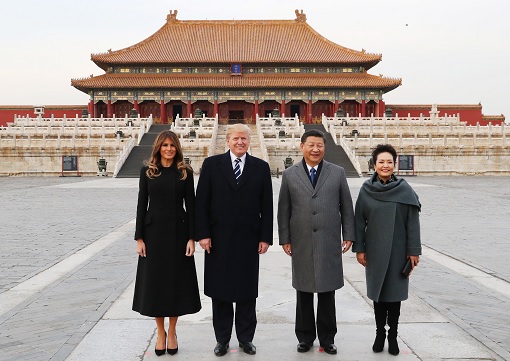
(313, 221)
(166, 279)
(387, 230)
(236, 217)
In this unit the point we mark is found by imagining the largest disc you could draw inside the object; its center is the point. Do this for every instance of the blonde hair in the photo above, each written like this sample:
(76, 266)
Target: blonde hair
(238, 128)
(155, 160)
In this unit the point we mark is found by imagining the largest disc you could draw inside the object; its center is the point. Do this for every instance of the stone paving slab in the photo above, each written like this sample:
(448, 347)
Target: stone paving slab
(422, 337)
(45, 220)
(54, 218)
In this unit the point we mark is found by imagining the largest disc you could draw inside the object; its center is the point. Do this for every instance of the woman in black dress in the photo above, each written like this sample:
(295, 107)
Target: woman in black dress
(166, 280)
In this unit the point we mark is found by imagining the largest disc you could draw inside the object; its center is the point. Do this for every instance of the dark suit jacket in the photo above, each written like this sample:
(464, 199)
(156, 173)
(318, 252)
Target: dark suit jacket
(236, 217)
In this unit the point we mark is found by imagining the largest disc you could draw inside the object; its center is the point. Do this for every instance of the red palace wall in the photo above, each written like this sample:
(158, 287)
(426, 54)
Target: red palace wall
(7, 112)
(471, 114)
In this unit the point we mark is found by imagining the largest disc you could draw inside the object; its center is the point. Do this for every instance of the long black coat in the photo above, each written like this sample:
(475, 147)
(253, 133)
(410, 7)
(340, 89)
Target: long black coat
(236, 218)
(166, 280)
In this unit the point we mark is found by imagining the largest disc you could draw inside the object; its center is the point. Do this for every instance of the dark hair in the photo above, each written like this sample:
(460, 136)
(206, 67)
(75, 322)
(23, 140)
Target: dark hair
(313, 133)
(155, 159)
(384, 148)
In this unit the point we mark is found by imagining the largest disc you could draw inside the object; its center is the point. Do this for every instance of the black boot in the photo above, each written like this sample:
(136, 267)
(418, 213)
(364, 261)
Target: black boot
(380, 313)
(393, 315)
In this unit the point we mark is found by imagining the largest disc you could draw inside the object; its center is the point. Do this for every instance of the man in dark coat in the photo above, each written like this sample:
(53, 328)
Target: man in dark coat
(234, 223)
(314, 214)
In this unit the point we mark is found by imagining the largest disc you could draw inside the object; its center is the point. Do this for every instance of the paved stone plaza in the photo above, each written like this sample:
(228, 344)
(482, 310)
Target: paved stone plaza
(67, 263)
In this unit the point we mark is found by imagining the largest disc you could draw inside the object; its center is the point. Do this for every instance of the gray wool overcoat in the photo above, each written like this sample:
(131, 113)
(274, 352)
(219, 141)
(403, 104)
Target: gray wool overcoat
(313, 221)
(387, 231)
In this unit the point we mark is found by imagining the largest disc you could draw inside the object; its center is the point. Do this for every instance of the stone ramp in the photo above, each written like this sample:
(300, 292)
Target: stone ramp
(141, 152)
(334, 153)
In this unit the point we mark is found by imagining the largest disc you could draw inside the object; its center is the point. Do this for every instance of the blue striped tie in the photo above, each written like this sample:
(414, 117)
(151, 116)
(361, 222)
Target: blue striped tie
(237, 169)
(312, 175)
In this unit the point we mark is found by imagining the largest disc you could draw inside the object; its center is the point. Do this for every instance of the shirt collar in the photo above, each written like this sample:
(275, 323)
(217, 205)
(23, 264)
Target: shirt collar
(233, 157)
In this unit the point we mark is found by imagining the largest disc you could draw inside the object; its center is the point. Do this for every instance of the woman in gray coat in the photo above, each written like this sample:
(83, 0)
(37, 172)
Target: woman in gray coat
(387, 237)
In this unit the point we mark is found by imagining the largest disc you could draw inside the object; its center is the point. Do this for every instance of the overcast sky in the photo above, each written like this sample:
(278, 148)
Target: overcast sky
(446, 52)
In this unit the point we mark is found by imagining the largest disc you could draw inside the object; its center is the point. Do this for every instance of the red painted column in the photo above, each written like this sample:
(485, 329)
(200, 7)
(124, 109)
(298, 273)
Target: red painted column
(363, 108)
(188, 109)
(282, 108)
(215, 107)
(309, 111)
(256, 110)
(162, 112)
(109, 112)
(335, 108)
(382, 108)
(136, 106)
(91, 108)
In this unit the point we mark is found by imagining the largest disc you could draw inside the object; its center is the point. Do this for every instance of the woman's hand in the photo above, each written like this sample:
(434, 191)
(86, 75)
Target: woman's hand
(140, 248)
(414, 262)
(362, 258)
(190, 248)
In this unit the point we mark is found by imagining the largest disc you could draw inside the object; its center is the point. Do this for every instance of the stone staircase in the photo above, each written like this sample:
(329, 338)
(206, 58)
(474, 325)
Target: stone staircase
(335, 153)
(255, 148)
(221, 140)
(140, 153)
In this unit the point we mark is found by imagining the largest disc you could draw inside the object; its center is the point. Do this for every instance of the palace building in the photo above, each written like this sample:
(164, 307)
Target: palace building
(237, 69)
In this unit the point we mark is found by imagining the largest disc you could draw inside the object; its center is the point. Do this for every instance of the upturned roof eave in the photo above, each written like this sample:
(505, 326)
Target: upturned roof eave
(299, 81)
(174, 27)
(367, 65)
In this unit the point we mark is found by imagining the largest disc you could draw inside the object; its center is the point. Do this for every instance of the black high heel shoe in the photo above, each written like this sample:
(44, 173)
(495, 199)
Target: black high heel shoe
(173, 351)
(160, 352)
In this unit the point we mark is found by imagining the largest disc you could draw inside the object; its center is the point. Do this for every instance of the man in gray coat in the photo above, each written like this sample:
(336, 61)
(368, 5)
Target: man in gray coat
(314, 213)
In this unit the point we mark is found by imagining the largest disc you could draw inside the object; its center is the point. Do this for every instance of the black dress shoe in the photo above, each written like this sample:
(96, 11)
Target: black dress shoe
(160, 352)
(248, 347)
(304, 346)
(221, 349)
(330, 349)
(172, 351)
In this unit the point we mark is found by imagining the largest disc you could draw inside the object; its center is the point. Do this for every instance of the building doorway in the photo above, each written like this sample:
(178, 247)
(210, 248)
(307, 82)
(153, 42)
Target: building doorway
(294, 110)
(177, 110)
(235, 116)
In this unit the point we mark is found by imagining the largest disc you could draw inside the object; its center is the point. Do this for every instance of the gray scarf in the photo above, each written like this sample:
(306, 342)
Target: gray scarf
(398, 191)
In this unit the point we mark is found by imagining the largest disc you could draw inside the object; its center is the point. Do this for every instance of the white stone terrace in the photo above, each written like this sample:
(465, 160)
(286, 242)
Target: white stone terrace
(280, 132)
(26, 132)
(196, 133)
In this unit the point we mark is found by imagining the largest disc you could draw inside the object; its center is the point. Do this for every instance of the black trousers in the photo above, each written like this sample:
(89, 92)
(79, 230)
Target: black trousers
(223, 319)
(326, 317)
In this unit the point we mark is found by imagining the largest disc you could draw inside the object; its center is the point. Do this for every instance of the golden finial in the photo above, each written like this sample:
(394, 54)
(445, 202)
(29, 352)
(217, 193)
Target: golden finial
(300, 16)
(172, 17)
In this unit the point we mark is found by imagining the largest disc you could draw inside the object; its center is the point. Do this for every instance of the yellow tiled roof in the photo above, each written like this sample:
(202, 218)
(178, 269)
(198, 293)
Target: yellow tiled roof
(247, 81)
(236, 41)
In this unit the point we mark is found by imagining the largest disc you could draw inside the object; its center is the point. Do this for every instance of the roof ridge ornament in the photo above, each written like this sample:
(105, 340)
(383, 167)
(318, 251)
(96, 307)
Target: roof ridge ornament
(172, 17)
(300, 16)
